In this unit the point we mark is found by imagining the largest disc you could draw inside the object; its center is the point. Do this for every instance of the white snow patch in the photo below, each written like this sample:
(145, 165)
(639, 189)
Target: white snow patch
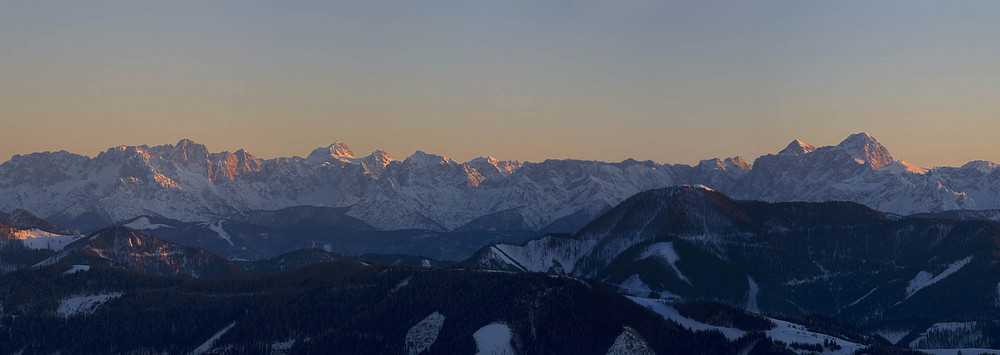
(669, 313)
(402, 284)
(84, 304)
(217, 228)
(795, 333)
(76, 269)
(143, 223)
(635, 287)
(666, 251)
(752, 296)
(493, 339)
(37, 239)
(425, 263)
(924, 278)
(208, 344)
(422, 335)
(629, 343)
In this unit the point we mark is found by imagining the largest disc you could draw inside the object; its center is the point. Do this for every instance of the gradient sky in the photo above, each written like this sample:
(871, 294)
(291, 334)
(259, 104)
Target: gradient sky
(670, 81)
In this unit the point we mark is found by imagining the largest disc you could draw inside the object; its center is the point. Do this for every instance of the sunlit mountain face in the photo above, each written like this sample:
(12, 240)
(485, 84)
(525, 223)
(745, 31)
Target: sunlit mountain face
(185, 182)
(835, 249)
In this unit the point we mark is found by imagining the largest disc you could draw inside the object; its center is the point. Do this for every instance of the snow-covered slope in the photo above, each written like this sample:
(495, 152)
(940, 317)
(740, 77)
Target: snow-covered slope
(425, 191)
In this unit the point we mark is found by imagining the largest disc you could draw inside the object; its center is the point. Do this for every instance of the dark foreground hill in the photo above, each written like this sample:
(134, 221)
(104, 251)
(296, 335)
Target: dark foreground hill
(341, 307)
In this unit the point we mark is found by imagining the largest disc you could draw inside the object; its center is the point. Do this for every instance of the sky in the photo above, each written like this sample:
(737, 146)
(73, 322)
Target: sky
(668, 81)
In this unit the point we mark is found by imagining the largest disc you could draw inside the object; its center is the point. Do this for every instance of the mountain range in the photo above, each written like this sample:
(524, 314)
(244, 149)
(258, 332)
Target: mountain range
(186, 182)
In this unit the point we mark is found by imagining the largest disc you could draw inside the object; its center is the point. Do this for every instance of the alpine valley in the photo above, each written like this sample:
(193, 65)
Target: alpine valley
(171, 249)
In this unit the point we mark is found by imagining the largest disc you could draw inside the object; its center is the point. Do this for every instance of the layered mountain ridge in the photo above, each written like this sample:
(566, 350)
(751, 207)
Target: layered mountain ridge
(840, 259)
(425, 191)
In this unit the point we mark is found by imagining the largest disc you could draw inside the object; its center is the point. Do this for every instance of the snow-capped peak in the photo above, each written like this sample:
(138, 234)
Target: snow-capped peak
(421, 158)
(338, 151)
(983, 166)
(901, 166)
(490, 164)
(375, 163)
(797, 148)
(736, 163)
(864, 148)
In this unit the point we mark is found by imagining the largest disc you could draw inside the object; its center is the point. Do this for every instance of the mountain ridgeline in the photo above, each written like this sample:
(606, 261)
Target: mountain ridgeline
(184, 182)
(840, 259)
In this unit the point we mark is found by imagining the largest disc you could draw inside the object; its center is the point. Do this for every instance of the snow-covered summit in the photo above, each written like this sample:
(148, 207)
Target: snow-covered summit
(865, 149)
(797, 148)
(338, 151)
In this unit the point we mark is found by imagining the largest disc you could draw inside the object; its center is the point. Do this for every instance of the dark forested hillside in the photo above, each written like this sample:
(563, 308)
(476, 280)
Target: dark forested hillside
(342, 305)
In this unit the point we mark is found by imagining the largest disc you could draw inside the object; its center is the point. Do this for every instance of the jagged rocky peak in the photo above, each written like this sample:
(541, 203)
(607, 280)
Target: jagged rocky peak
(736, 163)
(490, 164)
(864, 148)
(374, 164)
(797, 148)
(338, 151)
(226, 165)
(187, 151)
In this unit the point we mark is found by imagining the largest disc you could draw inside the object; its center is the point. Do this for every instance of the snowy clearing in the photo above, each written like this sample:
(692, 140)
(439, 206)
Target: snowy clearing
(210, 343)
(672, 314)
(924, 278)
(493, 339)
(422, 335)
(217, 228)
(794, 333)
(752, 296)
(634, 286)
(402, 284)
(143, 223)
(37, 239)
(665, 251)
(71, 306)
(76, 269)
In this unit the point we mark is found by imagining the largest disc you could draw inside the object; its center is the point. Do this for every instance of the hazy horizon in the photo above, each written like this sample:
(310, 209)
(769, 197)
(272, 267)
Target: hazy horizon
(671, 82)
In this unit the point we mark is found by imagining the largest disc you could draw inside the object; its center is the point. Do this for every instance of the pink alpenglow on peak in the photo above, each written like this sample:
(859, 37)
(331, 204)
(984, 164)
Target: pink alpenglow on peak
(864, 148)
(797, 148)
(338, 151)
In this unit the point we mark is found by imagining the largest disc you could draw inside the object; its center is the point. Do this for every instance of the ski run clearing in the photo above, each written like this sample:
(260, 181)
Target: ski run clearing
(143, 223)
(493, 339)
(783, 331)
(76, 269)
(924, 278)
(210, 343)
(83, 304)
(666, 251)
(421, 336)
